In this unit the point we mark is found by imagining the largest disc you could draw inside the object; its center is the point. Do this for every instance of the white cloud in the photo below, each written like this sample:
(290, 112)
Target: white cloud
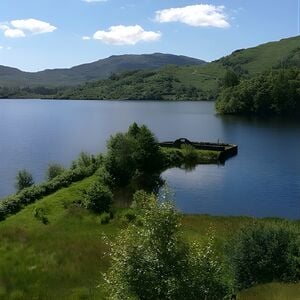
(14, 33)
(1, 47)
(21, 28)
(86, 38)
(199, 15)
(126, 35)
(33, 26)
(3, 27)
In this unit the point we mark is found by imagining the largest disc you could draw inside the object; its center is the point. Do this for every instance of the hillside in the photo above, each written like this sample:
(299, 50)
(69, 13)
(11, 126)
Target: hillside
(11, 77)
(197, 82)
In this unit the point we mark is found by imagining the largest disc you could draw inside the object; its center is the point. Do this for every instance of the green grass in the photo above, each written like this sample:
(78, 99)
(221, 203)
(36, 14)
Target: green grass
(65, 258)
(272, 291)
(189, 156)
(54, 261)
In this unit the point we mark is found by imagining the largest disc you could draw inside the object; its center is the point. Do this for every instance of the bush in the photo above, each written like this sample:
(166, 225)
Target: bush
(15, 203)
(23, 180)
(265, 253)
(190, 156)
(152, 261)
(86, 160)
(136, 151)
(40, 214)
(98, 198)
(104, 218)
(54, 170)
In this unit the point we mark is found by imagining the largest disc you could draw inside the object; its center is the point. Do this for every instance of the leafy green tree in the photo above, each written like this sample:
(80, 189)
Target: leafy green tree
(120, 162)
(24, 179)
(98, 198)
(54, 170)
(152, 261)
(84, 160)
(133, 153)
(231, 79)
(265, 253)
(276, 92)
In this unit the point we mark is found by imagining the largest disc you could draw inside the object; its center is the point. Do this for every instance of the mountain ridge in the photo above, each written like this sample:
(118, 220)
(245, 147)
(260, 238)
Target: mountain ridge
(196, 82)
(96, 70)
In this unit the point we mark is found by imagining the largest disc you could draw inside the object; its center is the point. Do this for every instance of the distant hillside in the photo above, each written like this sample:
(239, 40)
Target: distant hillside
(11, 77)
(245, 62)
(197, 82)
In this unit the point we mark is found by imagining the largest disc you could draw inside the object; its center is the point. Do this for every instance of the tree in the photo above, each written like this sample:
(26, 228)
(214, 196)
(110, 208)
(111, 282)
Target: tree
(98, 198)
(120, 162)
(54, 170)
(23, 180)
(152, 261)
(132, 153)
(276, 92)
(265, 253)
(230, 79)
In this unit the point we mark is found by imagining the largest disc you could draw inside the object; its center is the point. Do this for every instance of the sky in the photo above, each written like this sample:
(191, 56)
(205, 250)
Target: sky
(45, 34)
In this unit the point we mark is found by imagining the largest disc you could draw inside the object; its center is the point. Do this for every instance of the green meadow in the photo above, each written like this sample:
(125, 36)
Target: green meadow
(65, 258)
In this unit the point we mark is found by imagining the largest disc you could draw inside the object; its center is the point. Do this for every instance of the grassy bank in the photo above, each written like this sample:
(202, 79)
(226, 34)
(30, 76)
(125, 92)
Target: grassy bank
(189, 157)
(64, 259)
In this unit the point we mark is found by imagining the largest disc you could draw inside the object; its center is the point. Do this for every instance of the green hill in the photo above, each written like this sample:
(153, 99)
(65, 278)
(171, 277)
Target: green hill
(103, 68)
(197, 82)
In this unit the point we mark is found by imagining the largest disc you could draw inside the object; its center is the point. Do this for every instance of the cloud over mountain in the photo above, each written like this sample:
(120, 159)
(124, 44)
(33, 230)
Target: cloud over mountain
(125, 35)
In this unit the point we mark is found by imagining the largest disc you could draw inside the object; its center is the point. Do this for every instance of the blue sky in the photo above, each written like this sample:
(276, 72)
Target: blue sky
(40, 34)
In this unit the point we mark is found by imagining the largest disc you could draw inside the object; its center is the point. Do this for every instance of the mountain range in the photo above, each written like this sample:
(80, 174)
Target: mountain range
(193, 82)
(100, 69)
(149, 76)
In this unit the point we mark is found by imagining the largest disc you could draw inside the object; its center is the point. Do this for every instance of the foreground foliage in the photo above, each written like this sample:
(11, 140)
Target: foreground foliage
(152, 261)
(62, 260)
(265, 253)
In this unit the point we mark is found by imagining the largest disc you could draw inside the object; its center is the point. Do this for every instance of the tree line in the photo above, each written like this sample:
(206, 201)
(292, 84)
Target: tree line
(276, 92)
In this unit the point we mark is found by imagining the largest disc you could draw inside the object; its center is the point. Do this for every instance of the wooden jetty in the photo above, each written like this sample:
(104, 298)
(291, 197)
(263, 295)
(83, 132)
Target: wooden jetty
(226, 150)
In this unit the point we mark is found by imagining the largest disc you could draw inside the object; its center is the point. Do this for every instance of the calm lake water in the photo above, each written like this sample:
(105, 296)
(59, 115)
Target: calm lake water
(263, 180)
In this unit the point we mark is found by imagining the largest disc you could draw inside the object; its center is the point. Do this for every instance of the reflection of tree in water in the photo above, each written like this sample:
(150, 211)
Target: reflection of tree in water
(148, 182)
(189, 166)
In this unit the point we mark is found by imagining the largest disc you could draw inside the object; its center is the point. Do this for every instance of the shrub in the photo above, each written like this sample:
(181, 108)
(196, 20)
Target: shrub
(190, 156)
(86, 160)
(15, 203)
(172, 157)
(23, 180)
(104, 218)
(40, 214)
(136, 151)
(54, 170)
(152, 261)
(265, 253)
(98, 198)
